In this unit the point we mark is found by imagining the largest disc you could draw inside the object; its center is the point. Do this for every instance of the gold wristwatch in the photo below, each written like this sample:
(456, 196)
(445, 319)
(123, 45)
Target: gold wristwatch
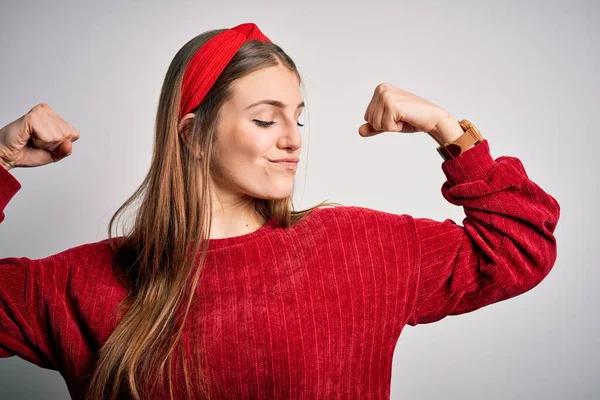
(471, 137)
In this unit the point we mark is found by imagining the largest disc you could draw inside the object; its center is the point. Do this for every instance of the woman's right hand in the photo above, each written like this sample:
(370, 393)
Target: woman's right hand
(38, 138)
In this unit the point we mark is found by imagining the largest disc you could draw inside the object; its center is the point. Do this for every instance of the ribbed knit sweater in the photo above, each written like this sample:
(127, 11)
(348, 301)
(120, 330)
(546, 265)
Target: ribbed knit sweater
(313, 311)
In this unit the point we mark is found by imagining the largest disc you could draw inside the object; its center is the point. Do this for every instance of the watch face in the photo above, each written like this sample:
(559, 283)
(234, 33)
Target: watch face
(454, 149)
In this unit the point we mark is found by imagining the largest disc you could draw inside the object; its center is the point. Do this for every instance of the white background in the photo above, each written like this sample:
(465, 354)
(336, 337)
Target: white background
(526, 73)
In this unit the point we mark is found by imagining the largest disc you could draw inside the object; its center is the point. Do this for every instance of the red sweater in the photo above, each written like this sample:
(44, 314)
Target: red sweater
(313, 311)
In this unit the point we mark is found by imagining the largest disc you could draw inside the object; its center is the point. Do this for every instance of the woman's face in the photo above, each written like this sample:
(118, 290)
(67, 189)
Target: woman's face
(245, 151)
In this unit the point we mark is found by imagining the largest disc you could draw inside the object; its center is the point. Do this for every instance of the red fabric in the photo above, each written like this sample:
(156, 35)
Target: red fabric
(210, 60)
(313, 311)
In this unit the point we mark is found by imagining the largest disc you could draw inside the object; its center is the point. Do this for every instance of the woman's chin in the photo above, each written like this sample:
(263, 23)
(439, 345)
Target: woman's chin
(275, 194)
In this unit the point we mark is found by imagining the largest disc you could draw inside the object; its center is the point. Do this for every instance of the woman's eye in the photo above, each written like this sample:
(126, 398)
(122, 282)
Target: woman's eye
(267, 124)
(264, 124)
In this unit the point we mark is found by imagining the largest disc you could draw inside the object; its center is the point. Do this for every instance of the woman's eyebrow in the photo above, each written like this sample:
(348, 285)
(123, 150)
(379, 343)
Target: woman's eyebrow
(275, 103)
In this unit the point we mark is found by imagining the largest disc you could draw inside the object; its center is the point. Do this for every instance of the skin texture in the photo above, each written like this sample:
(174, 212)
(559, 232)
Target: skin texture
(242, 166)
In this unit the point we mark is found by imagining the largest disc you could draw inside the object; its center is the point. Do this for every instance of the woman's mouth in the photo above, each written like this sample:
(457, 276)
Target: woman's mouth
(286, 163)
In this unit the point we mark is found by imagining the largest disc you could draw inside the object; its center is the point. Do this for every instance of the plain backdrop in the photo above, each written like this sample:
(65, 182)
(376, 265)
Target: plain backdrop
(526, 73)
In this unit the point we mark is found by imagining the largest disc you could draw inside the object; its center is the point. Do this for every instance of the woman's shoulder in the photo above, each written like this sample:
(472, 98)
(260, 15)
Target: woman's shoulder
(361, 231)
(354, 217)
(97, 251)
(90, 263)
(349, 212)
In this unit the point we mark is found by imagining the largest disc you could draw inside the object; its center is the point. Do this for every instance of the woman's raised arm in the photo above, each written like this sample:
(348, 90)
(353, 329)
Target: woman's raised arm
(505, 247)
(37, 138)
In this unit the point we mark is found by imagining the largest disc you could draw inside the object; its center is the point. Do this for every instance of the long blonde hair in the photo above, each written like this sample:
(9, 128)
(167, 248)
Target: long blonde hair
(153, 259)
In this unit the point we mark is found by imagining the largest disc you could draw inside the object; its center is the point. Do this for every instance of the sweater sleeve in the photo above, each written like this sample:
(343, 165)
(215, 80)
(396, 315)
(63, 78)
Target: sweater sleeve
(505, 247)
(18, 334)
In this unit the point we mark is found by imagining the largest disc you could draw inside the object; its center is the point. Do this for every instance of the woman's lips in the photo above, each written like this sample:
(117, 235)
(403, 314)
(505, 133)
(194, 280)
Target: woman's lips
(286, 164)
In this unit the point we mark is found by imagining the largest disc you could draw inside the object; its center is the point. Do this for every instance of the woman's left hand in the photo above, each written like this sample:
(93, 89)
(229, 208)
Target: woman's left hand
(395, 110)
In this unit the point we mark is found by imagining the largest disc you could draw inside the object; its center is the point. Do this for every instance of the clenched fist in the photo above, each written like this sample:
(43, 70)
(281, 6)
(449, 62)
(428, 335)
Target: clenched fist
(37, 138)
(396, 110)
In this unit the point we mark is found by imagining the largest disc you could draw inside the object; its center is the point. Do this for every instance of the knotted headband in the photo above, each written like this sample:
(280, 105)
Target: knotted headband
(210, 60)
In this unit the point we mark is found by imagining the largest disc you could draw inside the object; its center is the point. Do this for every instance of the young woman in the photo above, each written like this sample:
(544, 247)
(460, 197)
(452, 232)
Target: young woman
(220, 289)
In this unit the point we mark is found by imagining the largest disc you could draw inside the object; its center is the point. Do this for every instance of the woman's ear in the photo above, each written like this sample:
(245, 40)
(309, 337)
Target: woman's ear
(184, 127)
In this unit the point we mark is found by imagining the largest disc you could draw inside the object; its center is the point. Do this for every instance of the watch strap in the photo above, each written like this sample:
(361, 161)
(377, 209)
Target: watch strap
(471, 137)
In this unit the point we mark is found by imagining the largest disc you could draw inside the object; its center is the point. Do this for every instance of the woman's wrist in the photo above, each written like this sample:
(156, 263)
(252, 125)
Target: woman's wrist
(6, 166)
(447, 130)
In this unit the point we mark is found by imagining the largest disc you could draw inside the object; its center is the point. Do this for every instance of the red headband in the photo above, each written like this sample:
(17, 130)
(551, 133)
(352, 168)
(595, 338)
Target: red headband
(210, 60)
